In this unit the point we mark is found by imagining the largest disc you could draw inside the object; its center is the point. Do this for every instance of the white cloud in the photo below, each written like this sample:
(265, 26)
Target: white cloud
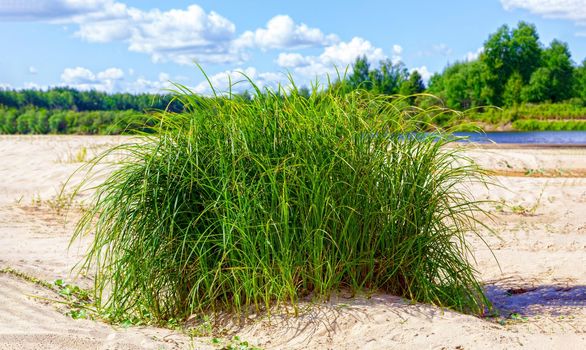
(32, 70)
(292, 60)
(34, 86)
(185, 36)
(397, 51)
(48, 9)
(346, 52)
(339, 55)
(77, 75)
(424, 72)
(282, 32)
(5, 86)
(237, 77)
(113, 80)
(182, 36)
(437, 49)
(574, 10)
(442, 49)
(111, 74)
(472, 56)
(104, 31)
(82, 78)
(145, 85)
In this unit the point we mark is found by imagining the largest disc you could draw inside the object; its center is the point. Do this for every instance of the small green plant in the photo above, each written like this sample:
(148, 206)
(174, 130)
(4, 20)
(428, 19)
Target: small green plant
(62, 202)
(238, 344)
(26, 277)
(519, 209)
(59, 204)
(78, 301)
(500, 205)
(201, 327)
(80, 156)
(534, 172)
(530, 211)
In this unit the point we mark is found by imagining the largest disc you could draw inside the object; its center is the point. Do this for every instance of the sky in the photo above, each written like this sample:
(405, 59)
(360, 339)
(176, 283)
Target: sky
(143, 45)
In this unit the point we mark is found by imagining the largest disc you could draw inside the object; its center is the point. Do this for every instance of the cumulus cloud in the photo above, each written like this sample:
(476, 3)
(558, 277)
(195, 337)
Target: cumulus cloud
(111, 74)
(5, 86)
(472, 56)
(34, 86)
(341, 55)
(442, 49)
(113, 80)
(397, 51)
(437, 49)
(32, 70)
(424, 72)
(77, 75)
(48, 9)
(221, 81)
(574, 10)
(153, 86)
(292, 60)
(282, 32)
(185, 36)
(82, 78)
(182, 36)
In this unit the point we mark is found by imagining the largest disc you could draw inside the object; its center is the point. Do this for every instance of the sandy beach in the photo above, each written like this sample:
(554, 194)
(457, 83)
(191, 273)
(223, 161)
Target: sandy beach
(538, 203)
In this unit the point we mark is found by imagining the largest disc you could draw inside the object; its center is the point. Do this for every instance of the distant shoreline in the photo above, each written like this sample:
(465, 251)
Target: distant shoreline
(518, 145)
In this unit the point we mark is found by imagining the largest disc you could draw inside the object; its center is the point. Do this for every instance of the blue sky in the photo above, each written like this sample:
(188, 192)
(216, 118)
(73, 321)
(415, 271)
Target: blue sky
(137, 46)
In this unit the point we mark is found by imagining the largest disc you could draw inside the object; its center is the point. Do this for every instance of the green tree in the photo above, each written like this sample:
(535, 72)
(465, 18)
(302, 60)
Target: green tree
(554, 81)
(360, 74)
(513, 88)
(387, 79)
(525, 51)
(538, 88)
(558, 59)
(497, 58)
(580, 81)
(40, 124)
(25, 122)
(461, 85)
(508, 51)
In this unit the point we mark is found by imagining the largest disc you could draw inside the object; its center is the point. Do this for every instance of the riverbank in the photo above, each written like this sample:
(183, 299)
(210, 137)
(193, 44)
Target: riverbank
(540, 284)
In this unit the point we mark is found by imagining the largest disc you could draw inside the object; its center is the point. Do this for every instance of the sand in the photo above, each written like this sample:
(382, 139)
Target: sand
(540, 243)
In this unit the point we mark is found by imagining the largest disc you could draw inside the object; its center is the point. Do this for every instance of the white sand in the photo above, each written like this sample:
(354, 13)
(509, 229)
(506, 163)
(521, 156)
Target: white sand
(541, 247)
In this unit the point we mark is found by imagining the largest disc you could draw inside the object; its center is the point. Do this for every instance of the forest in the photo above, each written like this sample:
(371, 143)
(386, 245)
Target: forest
(516, 82)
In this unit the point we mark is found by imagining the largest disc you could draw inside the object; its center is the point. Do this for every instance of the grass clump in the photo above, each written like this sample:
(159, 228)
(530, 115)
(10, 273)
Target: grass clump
(239, 205)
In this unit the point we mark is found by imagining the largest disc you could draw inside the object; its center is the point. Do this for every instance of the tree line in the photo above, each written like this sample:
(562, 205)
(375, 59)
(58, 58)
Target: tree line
(65, 98)
(44, 121)
(63, 110)
(514, 67)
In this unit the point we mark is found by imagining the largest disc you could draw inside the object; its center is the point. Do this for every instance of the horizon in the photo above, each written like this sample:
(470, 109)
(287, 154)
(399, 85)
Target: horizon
(140, 46)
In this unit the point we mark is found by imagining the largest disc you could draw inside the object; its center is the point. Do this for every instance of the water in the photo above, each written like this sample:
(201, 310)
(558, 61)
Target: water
(528, 137)
(537, 300)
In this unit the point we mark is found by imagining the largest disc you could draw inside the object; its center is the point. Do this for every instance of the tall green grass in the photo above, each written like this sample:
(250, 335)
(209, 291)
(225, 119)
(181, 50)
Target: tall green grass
(242, 205)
